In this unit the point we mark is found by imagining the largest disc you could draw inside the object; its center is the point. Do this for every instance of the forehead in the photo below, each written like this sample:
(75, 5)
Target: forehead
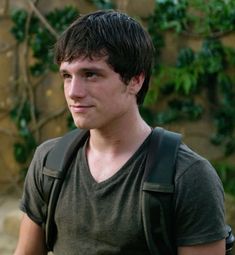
(85, 63)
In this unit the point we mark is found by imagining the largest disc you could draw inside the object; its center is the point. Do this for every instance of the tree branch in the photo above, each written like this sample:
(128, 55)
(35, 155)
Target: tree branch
(8, 132)
(27, 81)
(42, 19)
(51, 116)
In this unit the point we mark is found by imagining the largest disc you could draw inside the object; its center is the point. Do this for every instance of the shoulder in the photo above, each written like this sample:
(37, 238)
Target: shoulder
(33, 198)
(189, 162)
(34, 177)
(198, 192)
(43, 149)
(39, 157)
(48, 144)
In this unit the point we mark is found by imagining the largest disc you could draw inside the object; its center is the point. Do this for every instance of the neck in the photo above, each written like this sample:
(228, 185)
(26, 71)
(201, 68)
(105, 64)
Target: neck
(125, 136)
(111, 147)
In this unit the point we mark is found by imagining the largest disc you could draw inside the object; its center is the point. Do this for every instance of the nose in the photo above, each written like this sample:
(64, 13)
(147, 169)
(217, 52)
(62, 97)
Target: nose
(77, 88)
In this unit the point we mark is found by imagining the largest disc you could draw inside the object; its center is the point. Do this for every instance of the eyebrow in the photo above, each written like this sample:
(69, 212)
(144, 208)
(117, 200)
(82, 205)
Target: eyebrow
(85, 69)
(62, 71)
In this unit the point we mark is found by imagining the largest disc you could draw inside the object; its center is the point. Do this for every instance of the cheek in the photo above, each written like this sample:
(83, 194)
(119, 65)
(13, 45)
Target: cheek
(66, 92)
(65, 89)
(117, 104)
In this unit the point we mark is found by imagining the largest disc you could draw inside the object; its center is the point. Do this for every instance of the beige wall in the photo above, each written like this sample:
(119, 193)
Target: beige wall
(49, 94)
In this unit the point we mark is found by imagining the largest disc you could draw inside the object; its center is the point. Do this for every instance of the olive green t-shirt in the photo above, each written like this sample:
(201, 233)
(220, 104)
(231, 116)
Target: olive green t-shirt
(105, 218)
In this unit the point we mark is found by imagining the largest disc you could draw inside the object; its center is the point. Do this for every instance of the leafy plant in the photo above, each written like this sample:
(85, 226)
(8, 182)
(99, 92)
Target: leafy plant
(104, 4)
(39, 39)
(22, 117)
(202, 72)
(179, 110)
(227, 175)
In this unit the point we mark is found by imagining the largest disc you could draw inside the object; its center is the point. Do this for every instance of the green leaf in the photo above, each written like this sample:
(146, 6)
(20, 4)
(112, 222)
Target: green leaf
(147, 115)
(70, 122)
(185, 81)
(104, 4)
(20, 153)
(230, 147)
(185, 57)
(37, 69)
(19, 18)
(166, 117)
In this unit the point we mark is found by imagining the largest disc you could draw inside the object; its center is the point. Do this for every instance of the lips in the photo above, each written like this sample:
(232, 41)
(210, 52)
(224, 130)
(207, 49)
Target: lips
(80, 108)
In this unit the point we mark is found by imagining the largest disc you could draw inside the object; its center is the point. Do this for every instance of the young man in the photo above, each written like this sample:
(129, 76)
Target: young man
(105, 60)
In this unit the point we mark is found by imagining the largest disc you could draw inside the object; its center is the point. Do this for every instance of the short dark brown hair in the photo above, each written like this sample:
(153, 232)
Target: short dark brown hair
(122, 39)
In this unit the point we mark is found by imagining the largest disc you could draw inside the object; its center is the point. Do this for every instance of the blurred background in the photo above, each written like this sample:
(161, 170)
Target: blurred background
(192, 89)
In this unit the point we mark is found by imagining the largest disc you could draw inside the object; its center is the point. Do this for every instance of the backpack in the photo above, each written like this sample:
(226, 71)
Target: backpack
(158, 186)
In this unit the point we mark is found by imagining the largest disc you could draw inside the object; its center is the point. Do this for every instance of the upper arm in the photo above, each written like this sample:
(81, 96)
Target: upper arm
(199, 206)
(31, 238)
(214, 248)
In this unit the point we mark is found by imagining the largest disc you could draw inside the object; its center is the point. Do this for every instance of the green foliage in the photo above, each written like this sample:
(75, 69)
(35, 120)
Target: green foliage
(227, 175)
(40, 39)
(219, 16)
(179, 110)
(19, 18)
(197, 17)
(185, 58)
(169, 15)
(70, 122)
(212, 56)
(104, 4)
(204, 72)
(147, 114)
(22, 117)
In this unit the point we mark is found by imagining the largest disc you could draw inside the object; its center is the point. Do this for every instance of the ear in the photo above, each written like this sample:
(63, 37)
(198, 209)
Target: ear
(136, 83)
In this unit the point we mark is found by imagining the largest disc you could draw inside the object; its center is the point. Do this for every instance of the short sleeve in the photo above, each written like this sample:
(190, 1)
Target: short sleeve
(199, 205)
(32, 202)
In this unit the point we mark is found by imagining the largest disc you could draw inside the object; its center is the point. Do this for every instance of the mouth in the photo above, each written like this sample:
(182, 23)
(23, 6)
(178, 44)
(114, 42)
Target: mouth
(80, 108)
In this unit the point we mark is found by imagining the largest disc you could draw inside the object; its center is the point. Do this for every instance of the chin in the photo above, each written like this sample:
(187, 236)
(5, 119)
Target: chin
(83, 125)
(80, 123)
(86, 123)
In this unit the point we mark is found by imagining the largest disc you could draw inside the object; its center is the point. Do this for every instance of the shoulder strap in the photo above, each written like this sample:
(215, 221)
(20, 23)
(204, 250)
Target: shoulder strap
(158, 189)
(59, 159)
(55, 168)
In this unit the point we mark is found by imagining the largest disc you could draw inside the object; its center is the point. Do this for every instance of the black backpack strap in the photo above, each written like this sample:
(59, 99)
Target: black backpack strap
(158, 189)
(55, 168)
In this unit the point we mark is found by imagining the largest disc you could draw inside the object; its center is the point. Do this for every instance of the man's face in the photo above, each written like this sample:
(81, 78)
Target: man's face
(96, 95)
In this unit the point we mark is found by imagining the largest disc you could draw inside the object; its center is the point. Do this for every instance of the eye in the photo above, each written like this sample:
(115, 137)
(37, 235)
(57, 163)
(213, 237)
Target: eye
(90, 74)
(66, 76)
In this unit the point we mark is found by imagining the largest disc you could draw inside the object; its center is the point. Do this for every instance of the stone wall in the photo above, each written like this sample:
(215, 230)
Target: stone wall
(49, 95)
